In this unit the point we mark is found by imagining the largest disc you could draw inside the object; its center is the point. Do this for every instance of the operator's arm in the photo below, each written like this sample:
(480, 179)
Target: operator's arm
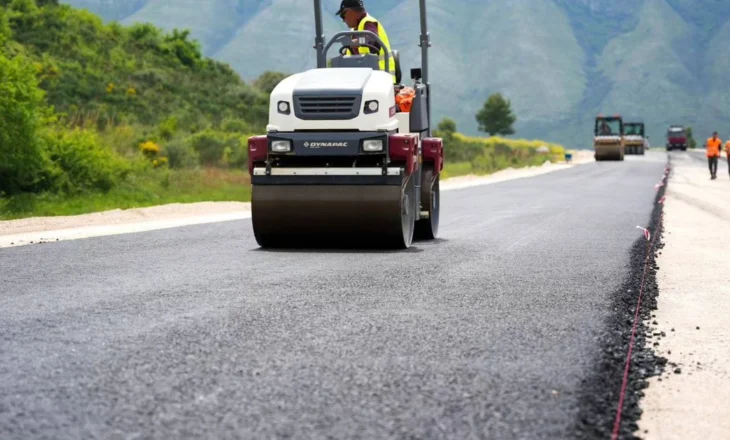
(372, 27)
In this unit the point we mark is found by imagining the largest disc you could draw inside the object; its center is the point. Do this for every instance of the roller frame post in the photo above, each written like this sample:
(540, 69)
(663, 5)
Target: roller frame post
(425, 44)
(319, 37)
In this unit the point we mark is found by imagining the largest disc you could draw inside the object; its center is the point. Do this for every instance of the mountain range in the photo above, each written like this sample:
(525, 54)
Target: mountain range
(560, 62)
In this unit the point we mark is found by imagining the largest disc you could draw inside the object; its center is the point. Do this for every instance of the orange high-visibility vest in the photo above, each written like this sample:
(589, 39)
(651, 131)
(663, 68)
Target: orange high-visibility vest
(713, 147)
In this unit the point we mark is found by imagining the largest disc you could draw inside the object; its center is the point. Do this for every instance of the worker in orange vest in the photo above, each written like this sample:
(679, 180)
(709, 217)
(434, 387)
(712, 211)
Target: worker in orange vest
(714, 145)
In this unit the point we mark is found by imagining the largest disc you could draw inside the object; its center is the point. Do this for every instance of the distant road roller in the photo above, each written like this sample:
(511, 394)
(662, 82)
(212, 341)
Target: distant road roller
(342, 164)
(608, 138)
(634, 138)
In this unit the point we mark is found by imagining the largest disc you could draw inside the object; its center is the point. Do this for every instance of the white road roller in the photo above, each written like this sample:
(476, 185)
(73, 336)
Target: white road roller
(341, 164)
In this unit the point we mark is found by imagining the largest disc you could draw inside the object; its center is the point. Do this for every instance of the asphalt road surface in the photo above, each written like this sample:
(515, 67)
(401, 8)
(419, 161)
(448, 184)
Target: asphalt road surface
(196, 333)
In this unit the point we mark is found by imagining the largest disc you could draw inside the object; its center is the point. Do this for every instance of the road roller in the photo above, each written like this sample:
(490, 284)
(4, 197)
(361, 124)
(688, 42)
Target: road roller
(341, 163)
(634, 138)
(608, 138)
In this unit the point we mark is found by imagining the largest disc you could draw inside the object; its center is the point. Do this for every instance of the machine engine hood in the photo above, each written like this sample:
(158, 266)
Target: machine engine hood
(345, 80)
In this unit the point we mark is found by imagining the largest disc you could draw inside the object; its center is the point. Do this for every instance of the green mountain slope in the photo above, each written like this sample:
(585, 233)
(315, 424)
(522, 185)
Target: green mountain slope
(279, 35)
(195, 15)
(96, 116)
(137, 73)
(647, 68)
(717, 65)
(559, 61)
(110, 9)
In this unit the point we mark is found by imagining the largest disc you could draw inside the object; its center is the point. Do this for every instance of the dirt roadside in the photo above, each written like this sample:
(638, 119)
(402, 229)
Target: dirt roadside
(690, 400)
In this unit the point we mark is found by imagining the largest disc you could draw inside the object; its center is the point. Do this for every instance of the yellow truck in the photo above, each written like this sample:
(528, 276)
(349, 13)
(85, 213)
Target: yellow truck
(608, 138)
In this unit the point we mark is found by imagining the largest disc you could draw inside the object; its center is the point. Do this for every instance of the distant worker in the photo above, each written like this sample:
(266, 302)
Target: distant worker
(353, 13)
(714, 145)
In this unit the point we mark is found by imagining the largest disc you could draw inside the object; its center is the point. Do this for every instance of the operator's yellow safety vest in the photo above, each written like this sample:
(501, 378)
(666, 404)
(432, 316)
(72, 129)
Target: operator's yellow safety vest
(384, 37)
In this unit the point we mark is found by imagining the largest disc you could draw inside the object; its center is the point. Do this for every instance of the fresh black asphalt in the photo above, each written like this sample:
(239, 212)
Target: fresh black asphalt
(491, 332)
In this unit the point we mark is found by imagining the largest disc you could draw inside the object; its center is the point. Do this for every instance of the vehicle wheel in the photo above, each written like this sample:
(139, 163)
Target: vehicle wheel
(684, 148)
(408, 214)
(427, 228)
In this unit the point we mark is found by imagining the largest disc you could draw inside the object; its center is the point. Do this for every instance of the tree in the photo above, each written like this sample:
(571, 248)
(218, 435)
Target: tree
(447, 126)
(446, 130)
(496, 116)
(692, 143)
(22, 114)
(268, 81)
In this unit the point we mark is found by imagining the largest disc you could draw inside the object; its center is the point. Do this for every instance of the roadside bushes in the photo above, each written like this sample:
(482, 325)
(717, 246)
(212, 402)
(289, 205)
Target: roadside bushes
(465, 154)
(217, 148)
(79, 162)
(180, 155)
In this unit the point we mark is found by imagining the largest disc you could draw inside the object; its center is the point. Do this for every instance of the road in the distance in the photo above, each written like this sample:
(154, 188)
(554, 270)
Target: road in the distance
(195, 333)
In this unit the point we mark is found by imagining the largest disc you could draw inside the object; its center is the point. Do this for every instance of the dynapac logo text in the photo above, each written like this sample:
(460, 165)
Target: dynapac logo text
(326, 144)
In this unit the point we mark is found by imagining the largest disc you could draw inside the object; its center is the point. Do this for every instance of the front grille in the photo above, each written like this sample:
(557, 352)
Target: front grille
(326, 107)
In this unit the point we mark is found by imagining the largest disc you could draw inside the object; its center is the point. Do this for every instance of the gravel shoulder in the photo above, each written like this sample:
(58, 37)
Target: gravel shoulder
(690, 399)
(50, 229)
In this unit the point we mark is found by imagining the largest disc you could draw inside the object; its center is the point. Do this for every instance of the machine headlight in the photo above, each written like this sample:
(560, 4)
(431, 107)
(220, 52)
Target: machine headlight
(371, 107)
(372, 145)
(281, 146)
(284, 107)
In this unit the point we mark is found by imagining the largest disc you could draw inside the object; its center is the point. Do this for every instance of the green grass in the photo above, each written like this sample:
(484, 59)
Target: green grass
(457, 169)
(153, 188)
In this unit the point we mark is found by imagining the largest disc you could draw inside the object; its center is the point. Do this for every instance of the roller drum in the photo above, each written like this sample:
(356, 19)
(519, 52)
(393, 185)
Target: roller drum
(609, 152)
(381, 216)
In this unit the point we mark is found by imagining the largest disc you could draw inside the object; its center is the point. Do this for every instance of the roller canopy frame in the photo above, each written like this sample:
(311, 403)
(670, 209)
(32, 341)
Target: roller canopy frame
(424, 44)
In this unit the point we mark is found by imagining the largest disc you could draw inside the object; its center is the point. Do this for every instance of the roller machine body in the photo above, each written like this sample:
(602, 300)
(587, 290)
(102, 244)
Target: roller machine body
(634, 138)
(608, 138)
(340, 164)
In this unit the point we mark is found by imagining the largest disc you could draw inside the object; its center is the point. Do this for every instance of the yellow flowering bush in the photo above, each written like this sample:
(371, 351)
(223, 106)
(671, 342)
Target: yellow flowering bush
(150, 149)
(160, 162)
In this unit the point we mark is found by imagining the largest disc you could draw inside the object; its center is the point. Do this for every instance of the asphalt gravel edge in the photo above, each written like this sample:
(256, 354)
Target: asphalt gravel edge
(599, 394)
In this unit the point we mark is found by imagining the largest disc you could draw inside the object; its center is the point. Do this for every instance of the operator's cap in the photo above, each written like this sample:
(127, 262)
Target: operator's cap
(349, 4)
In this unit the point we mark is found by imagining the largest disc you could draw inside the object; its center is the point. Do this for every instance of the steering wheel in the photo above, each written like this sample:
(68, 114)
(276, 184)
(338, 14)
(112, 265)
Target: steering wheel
(351, 48)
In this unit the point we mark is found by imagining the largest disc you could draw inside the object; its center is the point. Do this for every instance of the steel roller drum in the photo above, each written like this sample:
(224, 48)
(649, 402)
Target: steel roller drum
(606, 151)
(369, 216)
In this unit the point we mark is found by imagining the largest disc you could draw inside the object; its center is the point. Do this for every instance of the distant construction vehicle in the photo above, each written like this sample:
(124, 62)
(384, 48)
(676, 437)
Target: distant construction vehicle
(608, 138)
(634, 138)
(342, 163)
(677, 138)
